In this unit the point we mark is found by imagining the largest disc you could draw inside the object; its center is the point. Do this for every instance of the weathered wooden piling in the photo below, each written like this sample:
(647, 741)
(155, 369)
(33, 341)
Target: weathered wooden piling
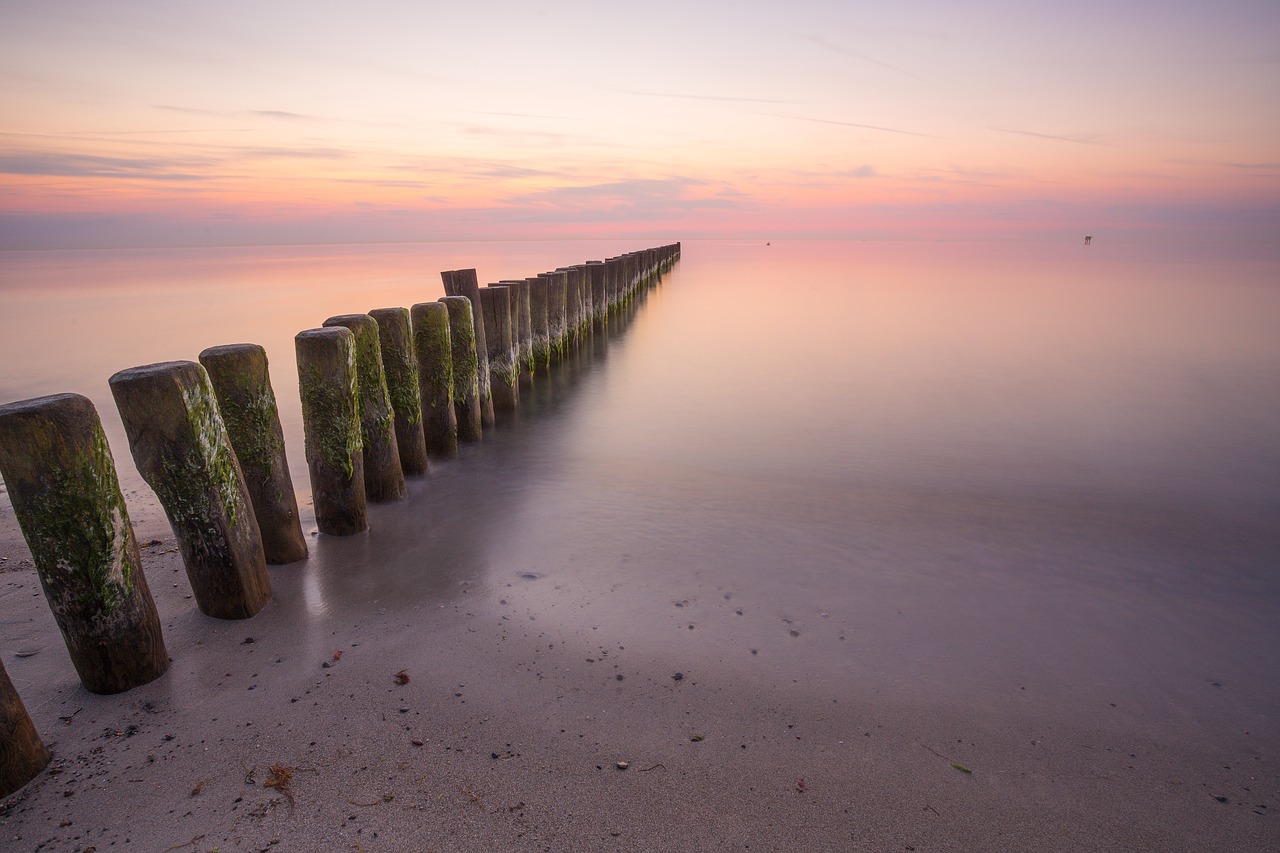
(242, 384)
(383, 476)
(22, 753)
(540, 339)
(599, 295)
(433, 347)
(62, 483)
(466, 367)
(400, 366)
(504, 375)
(180, 445)
(522, 323)
(465, 283)
(572, 306)
(331, 422)
(557, 328)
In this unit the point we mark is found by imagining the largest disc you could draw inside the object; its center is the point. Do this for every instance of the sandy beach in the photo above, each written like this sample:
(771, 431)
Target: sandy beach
(520, 705)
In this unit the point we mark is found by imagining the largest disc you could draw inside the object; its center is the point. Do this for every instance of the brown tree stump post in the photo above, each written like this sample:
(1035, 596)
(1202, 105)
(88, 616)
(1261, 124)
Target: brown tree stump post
(433, 346)
(181, 448)
(504, 374)
(466, 367)
(395, 336)
(331, 422)
(22, 753)
(62, 483)
(242, 384)
(383, 476)
(465, 283)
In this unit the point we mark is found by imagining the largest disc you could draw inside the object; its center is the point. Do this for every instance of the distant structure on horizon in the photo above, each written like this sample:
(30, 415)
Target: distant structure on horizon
(1088, 238)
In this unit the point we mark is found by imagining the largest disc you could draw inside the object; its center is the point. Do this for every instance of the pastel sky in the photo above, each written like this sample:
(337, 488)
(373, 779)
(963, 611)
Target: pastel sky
(140, 122)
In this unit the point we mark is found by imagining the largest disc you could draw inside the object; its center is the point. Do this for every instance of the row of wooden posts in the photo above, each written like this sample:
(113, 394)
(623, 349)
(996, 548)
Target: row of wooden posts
(382, 394)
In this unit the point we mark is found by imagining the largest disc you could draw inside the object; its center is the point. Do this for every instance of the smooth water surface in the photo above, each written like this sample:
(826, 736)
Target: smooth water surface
(948, 470)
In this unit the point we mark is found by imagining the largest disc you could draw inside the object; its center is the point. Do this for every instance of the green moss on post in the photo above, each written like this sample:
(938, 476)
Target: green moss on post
(383, 476)
(22, 753)
(466, 367)
(395, 334)
(599, 295)
(62, 483)
(540, 339)
(242, 383)
(504, 372)
(557, 328)
(180, 445)
(433, 346)
(465, 283)
(331, 421)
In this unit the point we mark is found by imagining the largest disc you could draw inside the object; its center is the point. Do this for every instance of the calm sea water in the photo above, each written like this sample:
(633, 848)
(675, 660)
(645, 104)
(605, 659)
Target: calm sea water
(924, 467)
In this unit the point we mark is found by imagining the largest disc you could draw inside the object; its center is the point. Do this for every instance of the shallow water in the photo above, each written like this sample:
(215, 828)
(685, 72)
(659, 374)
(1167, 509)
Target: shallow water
(948, 471)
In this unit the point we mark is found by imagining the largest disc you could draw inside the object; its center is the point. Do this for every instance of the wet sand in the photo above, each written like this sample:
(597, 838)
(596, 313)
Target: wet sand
(521, 698)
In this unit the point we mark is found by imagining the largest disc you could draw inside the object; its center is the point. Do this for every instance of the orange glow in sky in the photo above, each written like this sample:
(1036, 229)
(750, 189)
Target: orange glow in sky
(150, 122)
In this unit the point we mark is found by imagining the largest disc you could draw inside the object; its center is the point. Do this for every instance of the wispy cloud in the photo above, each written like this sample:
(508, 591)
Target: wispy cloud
(87, 165)
(853, 124)
(197, 111)
(693, 97)
(851, 53)
(1078, 138)
(867, 171)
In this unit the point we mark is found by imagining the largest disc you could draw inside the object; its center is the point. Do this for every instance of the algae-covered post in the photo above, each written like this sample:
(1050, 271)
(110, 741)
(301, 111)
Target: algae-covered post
(596, 271)
(181, 448)
(504, 375)
(242, 384)
(62, 484)
(466, 367)
(383, 476)
(395, 336)
(522, 323)
(540, 339)
(22, 753)
(331, 422)
(557, 328)
(465, 283)
(572, 306)
(433, 347)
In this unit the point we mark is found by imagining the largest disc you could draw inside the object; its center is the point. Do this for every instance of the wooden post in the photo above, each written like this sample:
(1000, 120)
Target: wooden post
(538, 330)
(62, 484)
(572, 306)
(504, 375)
(181, 449)
(465, 283)
(383, 476)
(557, 328)
(22, 753)
(242, 384)
(400, 365)
(433, 347)
(466, 367)
(596, 271)
(522, 323)
(331, 421)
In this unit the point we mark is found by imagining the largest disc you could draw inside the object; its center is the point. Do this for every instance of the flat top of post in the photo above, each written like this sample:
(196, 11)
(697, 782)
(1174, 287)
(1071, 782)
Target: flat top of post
(326, 332)
(150, 371)
(230, 349)
(36, 403)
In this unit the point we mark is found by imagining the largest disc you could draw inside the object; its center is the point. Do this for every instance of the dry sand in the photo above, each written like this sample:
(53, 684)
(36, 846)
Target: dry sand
(290, 732)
